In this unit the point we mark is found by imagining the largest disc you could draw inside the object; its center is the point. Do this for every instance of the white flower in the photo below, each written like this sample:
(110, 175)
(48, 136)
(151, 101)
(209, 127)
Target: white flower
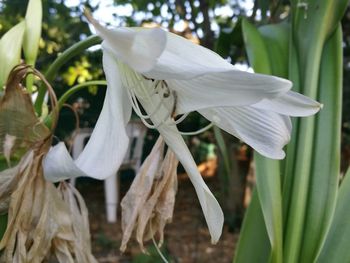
(169, 75)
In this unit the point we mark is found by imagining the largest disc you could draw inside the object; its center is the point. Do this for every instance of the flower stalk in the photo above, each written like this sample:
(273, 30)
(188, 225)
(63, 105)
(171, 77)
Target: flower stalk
(61, 60)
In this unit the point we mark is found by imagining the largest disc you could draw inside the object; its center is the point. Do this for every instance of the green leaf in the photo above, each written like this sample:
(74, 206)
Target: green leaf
(276, 38)
(10, 51)
(336, 246)
(256, 49)
(288, 169)
(33, 31)
(253, 245)
(313, 22)
(326, 163)
(268, 186)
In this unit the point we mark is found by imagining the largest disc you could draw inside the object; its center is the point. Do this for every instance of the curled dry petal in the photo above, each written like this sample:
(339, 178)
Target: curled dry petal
(139, 191)
(159, 207)
(149, 203)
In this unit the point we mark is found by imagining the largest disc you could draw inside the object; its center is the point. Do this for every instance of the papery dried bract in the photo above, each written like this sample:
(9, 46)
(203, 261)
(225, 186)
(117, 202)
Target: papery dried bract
(159, 207)
(80, 224)
(149, 204)
(140, 189)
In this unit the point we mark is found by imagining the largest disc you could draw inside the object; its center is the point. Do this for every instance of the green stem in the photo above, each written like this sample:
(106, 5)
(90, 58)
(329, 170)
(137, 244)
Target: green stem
(30, 78)
(60, 61)
(76, 88)
(69, 93)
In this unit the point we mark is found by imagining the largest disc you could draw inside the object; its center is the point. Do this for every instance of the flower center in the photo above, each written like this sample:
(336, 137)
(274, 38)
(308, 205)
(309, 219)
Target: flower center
(155, 96)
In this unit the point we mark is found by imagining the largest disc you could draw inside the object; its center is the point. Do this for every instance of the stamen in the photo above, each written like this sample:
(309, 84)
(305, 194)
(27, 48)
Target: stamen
(198, 131)
(174, 105)
(136, 82)
(136, 104)
(147, 78)
(137, 110)
(156, 246)
(182, 118)
(166, 87)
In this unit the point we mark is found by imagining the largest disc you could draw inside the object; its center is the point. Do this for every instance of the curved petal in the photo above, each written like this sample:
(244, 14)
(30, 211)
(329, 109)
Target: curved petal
(232, 88)
(291, 104)
(108, 144)
(265, 131)
(138, 48)
(210, 206)
(58, 164)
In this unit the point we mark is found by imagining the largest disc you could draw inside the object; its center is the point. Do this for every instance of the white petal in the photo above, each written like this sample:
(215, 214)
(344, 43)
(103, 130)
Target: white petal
(291, 104)
(231, 88)
(138, 48)
(108, 144)
(265, 131)
(58, 165)
(210, 206)
(182, 59)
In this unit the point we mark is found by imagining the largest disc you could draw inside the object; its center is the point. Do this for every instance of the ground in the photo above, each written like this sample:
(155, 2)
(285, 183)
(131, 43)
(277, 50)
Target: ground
(186, 238)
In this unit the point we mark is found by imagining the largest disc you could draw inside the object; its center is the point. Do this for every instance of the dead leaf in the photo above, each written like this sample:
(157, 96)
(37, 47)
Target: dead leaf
(18, 119)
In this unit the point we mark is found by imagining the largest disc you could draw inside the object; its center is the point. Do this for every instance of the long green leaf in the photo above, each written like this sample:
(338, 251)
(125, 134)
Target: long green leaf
(310, 31)
(268, 186)
(326, 163)
(276, 39)
(256, 48)
(336, 246)
(253, 245)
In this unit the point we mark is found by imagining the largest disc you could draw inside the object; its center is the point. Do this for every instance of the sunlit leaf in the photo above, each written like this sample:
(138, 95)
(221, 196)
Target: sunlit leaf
(10, 51)
(33, 31)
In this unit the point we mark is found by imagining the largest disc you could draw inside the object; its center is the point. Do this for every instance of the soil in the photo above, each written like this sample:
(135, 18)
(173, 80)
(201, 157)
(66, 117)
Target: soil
(187, 239)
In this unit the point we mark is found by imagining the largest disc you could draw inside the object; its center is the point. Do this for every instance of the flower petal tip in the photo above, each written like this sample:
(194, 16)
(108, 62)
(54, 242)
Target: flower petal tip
(214, 241)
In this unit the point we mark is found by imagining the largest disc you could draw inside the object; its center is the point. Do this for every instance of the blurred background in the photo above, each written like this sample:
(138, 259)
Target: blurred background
(213, 24)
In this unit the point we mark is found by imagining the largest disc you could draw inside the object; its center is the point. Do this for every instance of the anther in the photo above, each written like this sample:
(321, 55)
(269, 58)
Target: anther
(165, 85)
(148, 78)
